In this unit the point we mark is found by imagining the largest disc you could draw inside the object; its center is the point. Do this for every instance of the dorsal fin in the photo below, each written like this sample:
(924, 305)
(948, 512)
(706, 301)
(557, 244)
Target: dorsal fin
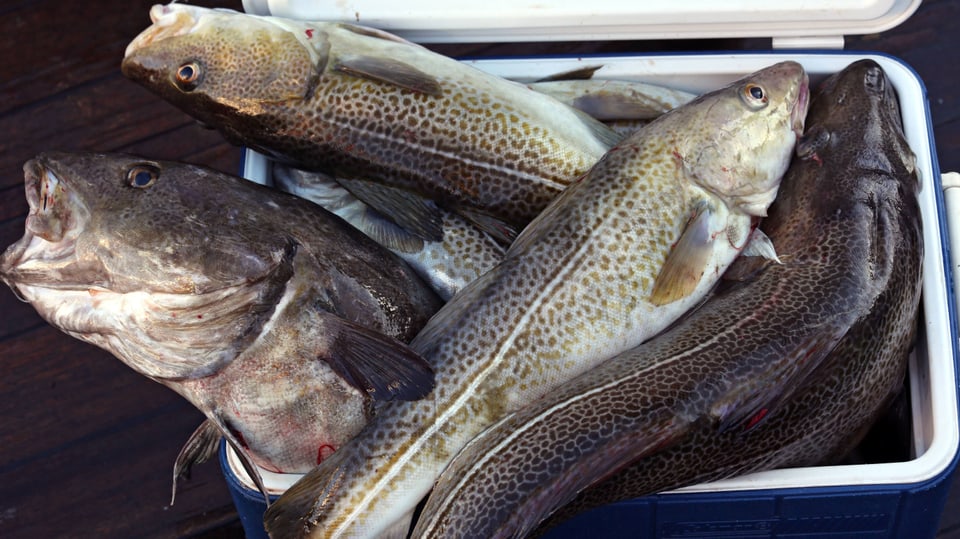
(389, 71)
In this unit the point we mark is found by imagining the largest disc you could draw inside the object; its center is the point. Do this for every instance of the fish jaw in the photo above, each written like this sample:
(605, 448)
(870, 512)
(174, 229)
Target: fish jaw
(748, 177)
(56, 218)
(79, 273)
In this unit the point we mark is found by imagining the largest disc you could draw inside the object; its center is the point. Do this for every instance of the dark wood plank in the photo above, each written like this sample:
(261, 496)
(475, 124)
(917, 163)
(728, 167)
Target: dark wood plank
(89, 444)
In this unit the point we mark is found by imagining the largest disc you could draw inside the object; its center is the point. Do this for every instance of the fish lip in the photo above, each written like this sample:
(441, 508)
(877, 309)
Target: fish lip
(12, 256)
(798, 114)
(36, 246)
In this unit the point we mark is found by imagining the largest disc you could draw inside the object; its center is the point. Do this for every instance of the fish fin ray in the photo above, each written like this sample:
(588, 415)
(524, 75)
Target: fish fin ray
(390, 71)
(761, 246)
(687, 260)
(580, 73)
(376, 33)
(605, 134)
(411, 212)
(501, 231)
(387, 233)
(381, 366)
(306, 500)
(755, 257)
(200, 447)
(229, 434)
(324, 190)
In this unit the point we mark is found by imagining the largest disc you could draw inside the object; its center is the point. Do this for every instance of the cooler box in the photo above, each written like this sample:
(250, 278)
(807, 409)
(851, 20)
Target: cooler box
(894, 499)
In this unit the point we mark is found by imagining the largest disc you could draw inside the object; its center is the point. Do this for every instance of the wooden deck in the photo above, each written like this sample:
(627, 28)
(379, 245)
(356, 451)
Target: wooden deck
(87, 445)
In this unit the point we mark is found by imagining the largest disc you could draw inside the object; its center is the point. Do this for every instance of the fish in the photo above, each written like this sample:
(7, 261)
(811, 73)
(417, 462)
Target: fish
(786, 366)
(612, 261)
(357, 102)
(275, 318)
(461, 256)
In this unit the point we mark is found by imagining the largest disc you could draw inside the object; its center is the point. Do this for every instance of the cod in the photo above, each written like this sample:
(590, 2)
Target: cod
(275, 318)
(618, 256)
(786, 366)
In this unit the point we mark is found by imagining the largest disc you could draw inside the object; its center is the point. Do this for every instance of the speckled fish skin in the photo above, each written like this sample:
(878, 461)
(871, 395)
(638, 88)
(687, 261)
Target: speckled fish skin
(574, 289)
(349, 100)
(460, 257)
(250, 303)
(811, 350)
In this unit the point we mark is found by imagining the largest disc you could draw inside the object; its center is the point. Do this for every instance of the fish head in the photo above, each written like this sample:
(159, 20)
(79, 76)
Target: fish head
(863, 109)
(153, 261)
(740, 141)
(219, 65)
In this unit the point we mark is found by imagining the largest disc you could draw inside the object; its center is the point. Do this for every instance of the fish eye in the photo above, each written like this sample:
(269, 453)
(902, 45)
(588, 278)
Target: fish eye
(754, 96)
(142, 176)
(188, 76)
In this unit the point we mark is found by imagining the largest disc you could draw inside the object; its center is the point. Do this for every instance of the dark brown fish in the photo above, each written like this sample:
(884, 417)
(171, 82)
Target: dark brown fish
(274, 317)
(786, 368)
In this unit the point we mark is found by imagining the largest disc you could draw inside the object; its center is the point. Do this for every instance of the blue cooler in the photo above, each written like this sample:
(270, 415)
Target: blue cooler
(894, 499)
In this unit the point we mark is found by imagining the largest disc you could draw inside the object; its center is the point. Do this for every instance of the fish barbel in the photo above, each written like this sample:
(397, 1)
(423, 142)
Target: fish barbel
(784, 369)
(276, 319)
(358, 102)
(611, 262)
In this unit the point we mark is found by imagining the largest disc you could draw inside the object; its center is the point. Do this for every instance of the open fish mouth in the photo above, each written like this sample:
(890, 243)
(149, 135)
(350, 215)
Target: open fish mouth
(49, 238)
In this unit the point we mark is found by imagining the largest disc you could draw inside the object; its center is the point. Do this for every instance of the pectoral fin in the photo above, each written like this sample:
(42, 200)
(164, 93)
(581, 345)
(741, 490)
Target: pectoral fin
(686, 262)
(760, 246)
(387, 233)
(389, 71)
(410, 211)
(383, 367)
(603, 132)
(200, 447)
(502, 232)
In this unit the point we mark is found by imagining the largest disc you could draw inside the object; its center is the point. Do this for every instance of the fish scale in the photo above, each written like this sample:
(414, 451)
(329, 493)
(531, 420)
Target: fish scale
(275, 318)
(552, 308)
(348, 100)
(830, 326)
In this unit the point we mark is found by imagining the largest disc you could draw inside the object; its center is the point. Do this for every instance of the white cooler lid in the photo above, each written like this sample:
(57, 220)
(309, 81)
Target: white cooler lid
(457, 21)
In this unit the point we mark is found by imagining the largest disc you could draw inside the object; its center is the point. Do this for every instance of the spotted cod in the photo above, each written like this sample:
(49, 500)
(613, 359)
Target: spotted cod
(275, 318)
(617, 257)
(788, 367)
(372, 110)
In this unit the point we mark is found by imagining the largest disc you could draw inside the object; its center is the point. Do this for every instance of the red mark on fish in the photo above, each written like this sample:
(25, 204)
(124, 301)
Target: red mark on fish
(309, 32)
(325, 451)
(758, 417)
